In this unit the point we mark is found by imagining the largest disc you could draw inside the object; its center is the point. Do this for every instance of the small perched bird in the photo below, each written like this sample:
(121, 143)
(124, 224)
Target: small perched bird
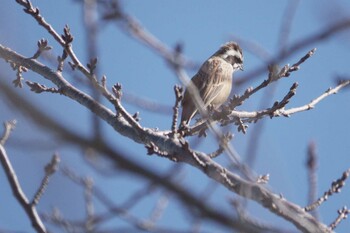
(213, 80)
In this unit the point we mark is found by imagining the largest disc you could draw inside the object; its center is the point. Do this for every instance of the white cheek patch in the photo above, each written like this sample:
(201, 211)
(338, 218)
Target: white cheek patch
(233, 53)
(237, 67)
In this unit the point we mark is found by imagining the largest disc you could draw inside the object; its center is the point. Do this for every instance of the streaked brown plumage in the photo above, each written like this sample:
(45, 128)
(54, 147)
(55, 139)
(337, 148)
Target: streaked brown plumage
(213, 80)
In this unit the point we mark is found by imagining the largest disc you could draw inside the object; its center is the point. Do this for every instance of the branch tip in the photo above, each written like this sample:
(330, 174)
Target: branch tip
(8, 127)
(92, 65)
(39, 88)
(42, 46)
(117, 90)
(67, 36)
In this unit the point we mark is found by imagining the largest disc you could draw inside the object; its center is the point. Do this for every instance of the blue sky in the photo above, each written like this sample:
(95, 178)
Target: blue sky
(201, 27)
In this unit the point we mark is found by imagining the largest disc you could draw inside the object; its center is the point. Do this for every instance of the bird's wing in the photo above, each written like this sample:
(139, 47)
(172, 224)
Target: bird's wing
(188, 107)
(212, 79)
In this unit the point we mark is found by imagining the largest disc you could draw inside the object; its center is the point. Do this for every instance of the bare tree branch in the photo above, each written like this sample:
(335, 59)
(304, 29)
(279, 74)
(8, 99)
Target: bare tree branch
(19, 194)
(296, 47)
(121, 160)
(231, 181)
(133, 27)
(311, 164)
(162, 143)
(50, 169)
(343, 214)
(8, 127)
(336, 187)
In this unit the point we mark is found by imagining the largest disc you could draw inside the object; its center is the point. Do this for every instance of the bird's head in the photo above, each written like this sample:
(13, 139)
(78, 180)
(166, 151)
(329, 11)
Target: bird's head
(231, 53)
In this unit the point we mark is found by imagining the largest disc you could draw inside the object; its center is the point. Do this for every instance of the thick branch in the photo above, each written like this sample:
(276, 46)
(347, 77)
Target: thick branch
(251, 190)
(122, 161)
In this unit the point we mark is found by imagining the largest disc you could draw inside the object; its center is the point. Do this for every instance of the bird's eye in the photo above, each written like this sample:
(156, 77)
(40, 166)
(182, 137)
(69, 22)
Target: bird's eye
(234, 59)
(238, 60)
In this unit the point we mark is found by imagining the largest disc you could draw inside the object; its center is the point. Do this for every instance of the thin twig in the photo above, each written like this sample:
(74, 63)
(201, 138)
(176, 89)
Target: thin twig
(208, 122)
(39, 88)
(293, 48)
(65, 40)
(50, 169)
(90, 210)
(19, 194)
(159, 208)
(251, 116)
(311, 165)
(335, 188)
(229, 114)
(342, 214)
(117, 91)
(19, 78)
(230, 180)
(286, 25)
(226, 138)
(119, 159)
(178, 98)
(42, 46)
(133, 27)
(313, 103)
(274, 74)
(56, 218)
(8, 127)
(91, 25)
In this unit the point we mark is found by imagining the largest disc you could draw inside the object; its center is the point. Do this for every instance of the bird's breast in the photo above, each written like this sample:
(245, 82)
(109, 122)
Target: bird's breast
(224, 92)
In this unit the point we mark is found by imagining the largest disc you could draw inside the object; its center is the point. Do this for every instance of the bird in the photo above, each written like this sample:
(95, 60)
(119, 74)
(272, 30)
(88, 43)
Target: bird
(213, 81)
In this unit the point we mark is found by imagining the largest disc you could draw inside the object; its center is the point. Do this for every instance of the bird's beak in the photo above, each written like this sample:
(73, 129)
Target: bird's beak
(241, 67)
